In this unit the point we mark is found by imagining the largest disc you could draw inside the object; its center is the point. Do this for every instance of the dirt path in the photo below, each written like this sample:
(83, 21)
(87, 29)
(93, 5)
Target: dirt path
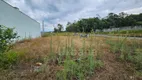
(113, 69)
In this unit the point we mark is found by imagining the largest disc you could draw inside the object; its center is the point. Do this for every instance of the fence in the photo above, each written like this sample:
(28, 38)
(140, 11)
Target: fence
(123, 28)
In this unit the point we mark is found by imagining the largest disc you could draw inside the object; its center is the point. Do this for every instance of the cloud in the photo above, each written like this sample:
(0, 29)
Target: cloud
(134, 11)
(62, 11)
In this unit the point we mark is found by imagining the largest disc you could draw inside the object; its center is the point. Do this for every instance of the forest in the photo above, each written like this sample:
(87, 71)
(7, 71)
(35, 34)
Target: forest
(112, 20)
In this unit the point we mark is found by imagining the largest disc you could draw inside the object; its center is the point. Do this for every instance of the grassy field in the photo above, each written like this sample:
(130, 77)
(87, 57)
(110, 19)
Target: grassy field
(128, 33)
(63, 56)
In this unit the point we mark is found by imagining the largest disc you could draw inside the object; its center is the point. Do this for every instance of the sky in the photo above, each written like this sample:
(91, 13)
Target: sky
(54, 12)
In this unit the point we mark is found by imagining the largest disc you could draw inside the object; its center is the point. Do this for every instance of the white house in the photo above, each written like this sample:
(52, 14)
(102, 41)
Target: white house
(12, 17)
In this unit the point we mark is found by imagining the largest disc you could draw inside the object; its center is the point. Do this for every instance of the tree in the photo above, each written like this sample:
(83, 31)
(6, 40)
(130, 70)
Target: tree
(123, 15)
(55, 30)
(59, 28)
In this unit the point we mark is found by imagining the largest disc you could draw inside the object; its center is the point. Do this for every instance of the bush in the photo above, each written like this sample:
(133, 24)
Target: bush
(7, 35)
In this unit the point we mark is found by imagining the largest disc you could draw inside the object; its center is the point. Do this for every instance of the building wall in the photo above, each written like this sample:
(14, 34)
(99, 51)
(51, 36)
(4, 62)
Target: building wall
(23, 24)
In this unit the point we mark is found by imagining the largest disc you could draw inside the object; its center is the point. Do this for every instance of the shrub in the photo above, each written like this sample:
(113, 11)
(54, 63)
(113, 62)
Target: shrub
(7, 35)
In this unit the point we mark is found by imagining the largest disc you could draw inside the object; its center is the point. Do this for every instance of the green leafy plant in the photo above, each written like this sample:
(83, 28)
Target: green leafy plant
(7, 36)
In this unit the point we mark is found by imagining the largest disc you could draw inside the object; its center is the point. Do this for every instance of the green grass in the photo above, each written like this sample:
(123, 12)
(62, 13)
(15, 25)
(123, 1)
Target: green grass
(9, 59)
(47, 34)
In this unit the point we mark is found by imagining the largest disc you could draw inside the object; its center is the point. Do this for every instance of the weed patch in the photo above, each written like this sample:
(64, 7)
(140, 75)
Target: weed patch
(73, 66)
(10, 59)
(128, 51)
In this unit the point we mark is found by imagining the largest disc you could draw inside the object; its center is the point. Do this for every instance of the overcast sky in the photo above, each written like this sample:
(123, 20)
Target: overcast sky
(63, 11)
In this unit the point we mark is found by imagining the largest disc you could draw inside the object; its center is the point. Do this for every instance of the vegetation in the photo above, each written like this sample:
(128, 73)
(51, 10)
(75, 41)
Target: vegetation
(111, 21)
(128, 51)
(48, 34)
(59, 28)
(75, 66)
(67, 57)
(9, 59)
(7, 35)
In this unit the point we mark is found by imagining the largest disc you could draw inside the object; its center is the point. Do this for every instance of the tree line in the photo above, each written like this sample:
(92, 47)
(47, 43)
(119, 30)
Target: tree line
(112, 20)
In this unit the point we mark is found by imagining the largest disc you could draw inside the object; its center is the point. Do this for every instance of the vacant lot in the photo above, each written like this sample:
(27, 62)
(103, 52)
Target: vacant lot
(67, 57)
